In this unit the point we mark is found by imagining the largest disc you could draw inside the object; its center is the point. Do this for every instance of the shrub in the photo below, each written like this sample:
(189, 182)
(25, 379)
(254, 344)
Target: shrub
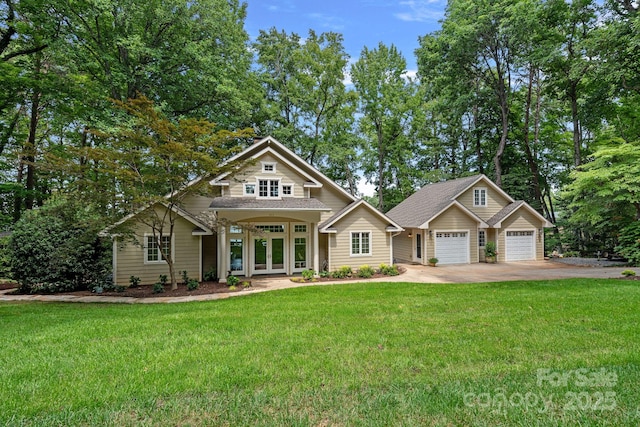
(308, 274)
(233, 287)
(163, 279)
(57, 248)
(158, 288)
(490, 249)
(185, 276)
(366, 271)
(211, 275)
(433, 261)
(629, 243)
(5, 258)
(232, 281)
(628, 273)
(342, 272)
(119, 288)
(389, 270)
(246, 284)
(192, 284)
(323, 274)
(134, 281)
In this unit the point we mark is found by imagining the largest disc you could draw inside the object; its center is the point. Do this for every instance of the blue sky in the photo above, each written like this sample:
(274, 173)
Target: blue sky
(361, 22)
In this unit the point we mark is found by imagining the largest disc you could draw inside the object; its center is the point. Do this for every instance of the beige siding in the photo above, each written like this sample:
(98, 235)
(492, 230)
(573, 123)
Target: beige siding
(522, 220)
(284, 172)
(331, 198)
(454, 219)
(403, 246)
(195, 204)
(361, 219)
(130, 258)
(495, 201)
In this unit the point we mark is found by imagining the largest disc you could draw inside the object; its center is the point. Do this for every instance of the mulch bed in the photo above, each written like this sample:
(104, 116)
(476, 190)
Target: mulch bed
(7, 285)
(146, 291)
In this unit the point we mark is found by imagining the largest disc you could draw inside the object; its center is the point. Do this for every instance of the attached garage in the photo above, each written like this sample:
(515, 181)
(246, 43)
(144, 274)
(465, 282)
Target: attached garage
(452, 247)
(520, 246)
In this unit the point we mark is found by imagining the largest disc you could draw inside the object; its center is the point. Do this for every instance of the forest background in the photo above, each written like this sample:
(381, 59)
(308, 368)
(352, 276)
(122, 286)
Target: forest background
(541, 96)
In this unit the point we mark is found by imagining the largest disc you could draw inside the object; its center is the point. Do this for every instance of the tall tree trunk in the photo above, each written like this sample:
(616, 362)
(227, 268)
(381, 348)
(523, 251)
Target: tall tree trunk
(577, 135)
(533, 164)
(30, 151)
(497, 159)
(380, 167)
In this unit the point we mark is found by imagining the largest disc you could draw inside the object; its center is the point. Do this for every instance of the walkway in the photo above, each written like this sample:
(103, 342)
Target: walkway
(468, 273)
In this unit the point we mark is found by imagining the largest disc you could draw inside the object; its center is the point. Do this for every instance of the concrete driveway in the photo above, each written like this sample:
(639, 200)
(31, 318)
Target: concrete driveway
(526, 270)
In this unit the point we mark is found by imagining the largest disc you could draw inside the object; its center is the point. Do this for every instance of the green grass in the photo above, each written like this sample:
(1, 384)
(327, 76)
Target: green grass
(374, 354)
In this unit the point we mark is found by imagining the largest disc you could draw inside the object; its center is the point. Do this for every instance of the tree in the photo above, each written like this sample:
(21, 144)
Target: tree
(605, 193)
(56, 248)
(307, 105)
(155, 163)
(385, 100)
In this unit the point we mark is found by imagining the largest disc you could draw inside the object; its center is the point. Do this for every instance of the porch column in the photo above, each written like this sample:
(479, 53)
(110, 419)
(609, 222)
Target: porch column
(222, 255)
(316, 248)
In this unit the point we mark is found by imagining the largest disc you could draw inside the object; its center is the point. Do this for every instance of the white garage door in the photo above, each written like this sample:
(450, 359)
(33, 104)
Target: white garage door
(452, 247)
(520, 246)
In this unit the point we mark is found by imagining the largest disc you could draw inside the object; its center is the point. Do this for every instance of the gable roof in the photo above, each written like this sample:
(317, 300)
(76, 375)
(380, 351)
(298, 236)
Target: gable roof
(314, 177)
(325, 227)
(496, 220)
(201, 227)
(430, 201)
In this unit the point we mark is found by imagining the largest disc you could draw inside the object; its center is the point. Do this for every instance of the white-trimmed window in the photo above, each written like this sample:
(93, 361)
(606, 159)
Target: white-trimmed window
(268, 167)
(269, 188)
(360, 243)
(287, 189)
(480, 197)
(152, 252)
(482, 238)
(250, 189)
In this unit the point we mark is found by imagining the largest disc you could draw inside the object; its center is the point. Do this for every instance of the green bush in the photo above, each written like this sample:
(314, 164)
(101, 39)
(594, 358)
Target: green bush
(5, 258)
(163, 279)
(629, 243)
(158, 288)
(627, 273)
(192, 284)
(119, 288)
(366, 271)
(308, 274)
(232, 281)
(134, 281)
(490, 249)
(343, 272)
(211, 275)
(389, 270)
(56, 248)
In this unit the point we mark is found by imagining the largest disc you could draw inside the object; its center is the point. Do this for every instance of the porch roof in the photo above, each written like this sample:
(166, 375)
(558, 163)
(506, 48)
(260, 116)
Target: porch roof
(227, 203)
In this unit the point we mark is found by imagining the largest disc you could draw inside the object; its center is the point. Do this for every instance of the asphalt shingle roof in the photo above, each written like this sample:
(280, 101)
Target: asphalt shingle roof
(504, 212)
(422, 205)
(287, 203)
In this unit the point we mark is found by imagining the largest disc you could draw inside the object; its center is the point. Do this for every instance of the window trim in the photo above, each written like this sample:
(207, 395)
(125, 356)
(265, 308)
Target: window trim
(269, 181)
(266, 164)
(244, 189)
(146, 250)
(282, 190)
(480, 191)
(360, 253)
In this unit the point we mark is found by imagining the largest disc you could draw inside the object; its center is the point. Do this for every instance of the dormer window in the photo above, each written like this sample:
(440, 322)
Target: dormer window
(268, 167)
(480, 197)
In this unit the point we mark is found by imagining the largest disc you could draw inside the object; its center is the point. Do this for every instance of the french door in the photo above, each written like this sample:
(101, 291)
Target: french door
(269, 254)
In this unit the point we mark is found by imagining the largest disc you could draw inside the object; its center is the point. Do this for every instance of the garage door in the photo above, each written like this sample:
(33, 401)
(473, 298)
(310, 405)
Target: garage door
(452, 247)
(520, 246)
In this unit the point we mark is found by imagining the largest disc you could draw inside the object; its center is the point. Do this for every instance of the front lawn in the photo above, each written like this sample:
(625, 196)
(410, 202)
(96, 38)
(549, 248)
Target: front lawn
(520, 353)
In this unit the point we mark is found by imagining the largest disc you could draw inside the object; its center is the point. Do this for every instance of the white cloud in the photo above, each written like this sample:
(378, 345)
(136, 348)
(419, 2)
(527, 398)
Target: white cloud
(411, 75)
(365, 188)
(421, 10)
(332, 23)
